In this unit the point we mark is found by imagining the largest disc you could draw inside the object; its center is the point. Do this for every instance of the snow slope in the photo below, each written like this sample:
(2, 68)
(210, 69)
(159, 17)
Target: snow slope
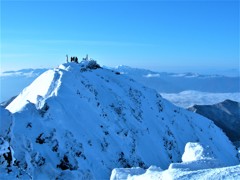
(81, 121)
(13, 82)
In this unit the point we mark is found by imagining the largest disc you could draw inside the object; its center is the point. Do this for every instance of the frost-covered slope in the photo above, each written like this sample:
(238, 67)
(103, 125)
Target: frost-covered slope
(225, 115)
(77, 121)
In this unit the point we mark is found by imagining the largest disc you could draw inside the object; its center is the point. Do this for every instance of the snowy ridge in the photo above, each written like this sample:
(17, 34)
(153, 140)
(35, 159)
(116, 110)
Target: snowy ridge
(13, 82)
(81, 121)
(46, 87)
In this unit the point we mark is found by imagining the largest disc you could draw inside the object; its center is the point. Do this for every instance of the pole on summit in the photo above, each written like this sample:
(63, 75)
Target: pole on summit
(67, 58)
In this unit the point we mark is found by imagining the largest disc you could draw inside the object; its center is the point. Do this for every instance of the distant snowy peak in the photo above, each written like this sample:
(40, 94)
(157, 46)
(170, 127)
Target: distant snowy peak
(177, 82)
(152, 75)
(148, 73)
(24, 72)
(132, 71)
(188, 75)
(123, 67)
(176, 75)
(79, 121)
(226, 115)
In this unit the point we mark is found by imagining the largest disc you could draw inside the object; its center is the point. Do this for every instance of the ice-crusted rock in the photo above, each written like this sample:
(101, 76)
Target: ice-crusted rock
(197, 156)
(195, 151)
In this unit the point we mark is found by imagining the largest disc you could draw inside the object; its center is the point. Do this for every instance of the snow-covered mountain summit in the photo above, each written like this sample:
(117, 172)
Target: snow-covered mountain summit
(81, 121)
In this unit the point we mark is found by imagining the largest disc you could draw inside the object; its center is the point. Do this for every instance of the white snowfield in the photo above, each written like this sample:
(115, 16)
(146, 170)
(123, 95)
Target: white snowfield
(79, 121)
(232, 172)
(197, 163)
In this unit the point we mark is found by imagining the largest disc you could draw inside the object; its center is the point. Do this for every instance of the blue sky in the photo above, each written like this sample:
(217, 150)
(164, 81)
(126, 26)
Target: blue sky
(158, 35)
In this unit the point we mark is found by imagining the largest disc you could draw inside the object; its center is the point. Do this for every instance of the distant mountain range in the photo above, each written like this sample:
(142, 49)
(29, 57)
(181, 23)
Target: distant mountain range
(12, 82)
(225, 115)
(178, 82)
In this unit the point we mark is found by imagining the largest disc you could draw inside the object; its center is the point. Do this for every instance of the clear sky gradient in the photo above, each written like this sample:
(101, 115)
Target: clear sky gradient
(157, 35)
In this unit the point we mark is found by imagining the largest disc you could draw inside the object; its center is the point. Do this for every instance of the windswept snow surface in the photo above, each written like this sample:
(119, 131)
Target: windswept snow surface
(198, 162)
(189, 98)
(79, 121)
